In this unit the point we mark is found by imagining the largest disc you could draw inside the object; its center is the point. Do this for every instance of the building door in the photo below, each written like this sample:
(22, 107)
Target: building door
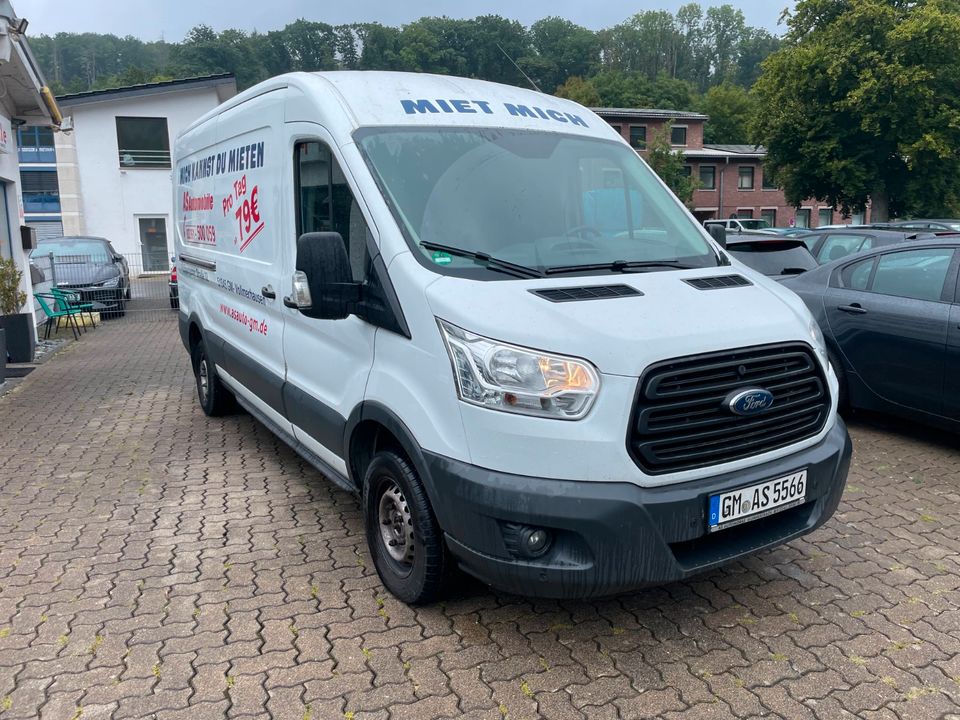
(153, 244)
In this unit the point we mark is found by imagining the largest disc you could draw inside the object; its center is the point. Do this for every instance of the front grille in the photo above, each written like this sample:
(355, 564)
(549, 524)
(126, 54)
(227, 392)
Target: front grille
(681, 420)
(590, 292)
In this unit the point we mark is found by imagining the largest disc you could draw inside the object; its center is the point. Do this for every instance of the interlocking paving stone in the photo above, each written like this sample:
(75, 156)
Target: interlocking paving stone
(156, 563)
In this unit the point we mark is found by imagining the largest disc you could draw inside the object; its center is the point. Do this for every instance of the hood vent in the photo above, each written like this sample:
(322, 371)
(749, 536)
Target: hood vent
(592, 292)
(718, 282)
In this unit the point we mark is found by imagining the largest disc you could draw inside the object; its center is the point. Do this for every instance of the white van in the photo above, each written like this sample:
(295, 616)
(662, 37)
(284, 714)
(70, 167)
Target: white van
(474, 306)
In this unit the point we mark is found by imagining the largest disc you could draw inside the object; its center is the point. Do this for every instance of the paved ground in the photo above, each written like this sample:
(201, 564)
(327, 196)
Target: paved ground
(157, 564)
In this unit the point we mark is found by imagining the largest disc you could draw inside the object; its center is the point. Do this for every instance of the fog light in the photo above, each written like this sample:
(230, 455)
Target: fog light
(534, 541)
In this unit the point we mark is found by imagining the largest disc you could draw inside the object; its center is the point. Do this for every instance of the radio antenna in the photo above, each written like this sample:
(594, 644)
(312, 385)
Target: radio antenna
(519, 68)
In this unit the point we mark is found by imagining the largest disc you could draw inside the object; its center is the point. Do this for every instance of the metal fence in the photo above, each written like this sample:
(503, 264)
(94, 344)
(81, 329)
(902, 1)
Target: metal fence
(142, 295)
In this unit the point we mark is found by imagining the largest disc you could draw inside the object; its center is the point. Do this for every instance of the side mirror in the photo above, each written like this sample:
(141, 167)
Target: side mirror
(719, 234)
(322, 261)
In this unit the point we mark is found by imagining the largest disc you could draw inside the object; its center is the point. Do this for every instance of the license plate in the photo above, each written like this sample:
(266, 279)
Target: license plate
(757, 501)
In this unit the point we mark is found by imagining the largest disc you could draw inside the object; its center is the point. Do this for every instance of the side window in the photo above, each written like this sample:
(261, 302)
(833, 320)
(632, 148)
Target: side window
(326, 204)
(839, 246)
(811, 241)
(856, 276)
(918, 274)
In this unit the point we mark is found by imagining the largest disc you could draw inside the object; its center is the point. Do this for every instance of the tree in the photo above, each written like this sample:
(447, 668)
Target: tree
(562, 49)
(579, 90)
(731, 110)
(861, 103)
(669, 164)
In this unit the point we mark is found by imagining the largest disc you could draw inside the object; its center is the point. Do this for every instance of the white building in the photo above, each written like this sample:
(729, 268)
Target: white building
(114, 167)
(25, 101)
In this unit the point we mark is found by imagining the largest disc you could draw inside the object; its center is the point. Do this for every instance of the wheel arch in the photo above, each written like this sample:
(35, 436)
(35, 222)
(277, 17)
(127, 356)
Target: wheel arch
(372, 427)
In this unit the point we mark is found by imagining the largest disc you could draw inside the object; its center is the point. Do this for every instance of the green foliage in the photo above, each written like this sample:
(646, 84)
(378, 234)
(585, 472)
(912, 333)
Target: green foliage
(669, 164)
(579, 90)
(11, 297)
(673, 56)
(731, 110)
(862, 103)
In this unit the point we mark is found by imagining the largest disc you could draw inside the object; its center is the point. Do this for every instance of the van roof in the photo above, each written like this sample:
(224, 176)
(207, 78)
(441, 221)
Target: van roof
(383, 98)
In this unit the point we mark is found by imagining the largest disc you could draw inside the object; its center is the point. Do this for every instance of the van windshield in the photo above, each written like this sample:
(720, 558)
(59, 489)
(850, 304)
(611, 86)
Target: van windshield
(544, 201)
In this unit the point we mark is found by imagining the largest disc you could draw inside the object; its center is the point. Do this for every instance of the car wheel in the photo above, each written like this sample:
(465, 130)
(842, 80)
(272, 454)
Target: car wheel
(402, 533)
(843, 397)
(215, 399)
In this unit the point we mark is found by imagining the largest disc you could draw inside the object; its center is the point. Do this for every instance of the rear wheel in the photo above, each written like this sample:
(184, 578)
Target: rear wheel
(402, 532)
(215, 399)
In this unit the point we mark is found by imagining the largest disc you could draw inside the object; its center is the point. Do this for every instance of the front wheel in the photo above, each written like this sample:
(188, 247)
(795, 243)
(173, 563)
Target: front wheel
(402, 533)
(212, 394)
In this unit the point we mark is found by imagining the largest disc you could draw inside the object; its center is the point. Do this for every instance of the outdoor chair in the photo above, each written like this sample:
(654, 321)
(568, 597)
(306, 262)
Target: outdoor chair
(48, 304)
(71, 301)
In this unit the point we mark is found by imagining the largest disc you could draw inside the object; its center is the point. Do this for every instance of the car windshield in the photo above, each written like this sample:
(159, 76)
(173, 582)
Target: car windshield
(534, 199)
(754, 224)
(774, 258)
(73, 251)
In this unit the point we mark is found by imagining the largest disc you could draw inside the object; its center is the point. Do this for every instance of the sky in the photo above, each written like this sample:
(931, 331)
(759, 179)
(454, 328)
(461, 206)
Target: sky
(149, 19)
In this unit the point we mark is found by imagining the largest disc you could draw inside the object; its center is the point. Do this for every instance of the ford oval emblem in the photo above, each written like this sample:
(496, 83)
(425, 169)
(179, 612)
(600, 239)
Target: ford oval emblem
(750, 401)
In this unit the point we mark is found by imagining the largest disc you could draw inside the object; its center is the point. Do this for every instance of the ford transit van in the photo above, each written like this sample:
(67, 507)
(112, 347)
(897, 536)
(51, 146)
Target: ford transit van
(478, 309)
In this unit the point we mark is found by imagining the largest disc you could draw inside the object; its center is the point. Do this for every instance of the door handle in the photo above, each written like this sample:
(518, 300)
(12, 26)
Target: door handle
(268, 292)
(853, 309)
(290, 302)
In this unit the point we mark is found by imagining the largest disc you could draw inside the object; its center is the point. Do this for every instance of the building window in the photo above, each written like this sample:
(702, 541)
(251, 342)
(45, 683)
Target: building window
(638, 136)
(687, 171)
(617, 128)
(708, 177)
(770, 215)
(745, 177)
(40, 190)
(769, 183)
(824, 217)
(803, 218)
(678, 135)
(744, 213)
(143, 142)
(35, 145)
(858, 218)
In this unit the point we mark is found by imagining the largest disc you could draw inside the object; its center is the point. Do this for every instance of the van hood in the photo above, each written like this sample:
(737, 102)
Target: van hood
(622, 335)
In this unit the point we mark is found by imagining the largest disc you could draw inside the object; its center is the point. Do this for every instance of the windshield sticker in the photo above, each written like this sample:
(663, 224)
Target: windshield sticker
(471, 107)
(442, 258)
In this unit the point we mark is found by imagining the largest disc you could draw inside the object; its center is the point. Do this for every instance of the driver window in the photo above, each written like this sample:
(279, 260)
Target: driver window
(325, 203)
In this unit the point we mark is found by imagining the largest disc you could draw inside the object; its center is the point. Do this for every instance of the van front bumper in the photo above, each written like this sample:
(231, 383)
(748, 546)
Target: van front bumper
(608, 538)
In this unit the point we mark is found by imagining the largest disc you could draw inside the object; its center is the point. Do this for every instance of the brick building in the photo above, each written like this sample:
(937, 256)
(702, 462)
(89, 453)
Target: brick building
(732, 182)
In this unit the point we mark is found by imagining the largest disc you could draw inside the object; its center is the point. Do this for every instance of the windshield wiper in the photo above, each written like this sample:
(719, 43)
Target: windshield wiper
(488, 260)
(619, 266)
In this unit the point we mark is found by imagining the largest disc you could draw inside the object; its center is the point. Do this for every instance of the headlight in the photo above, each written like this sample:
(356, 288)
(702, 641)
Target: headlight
(817, 340)
(112, 282)
(518, 380)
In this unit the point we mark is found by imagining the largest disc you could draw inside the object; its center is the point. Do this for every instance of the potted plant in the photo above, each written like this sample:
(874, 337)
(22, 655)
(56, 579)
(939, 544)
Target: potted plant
(18, 326)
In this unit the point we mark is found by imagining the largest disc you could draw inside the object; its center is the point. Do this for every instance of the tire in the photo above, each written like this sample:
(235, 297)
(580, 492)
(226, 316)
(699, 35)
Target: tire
(214, 398)
(843, 395)
(414, 572)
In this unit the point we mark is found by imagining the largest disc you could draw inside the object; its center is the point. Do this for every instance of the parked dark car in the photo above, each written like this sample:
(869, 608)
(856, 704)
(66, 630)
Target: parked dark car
(91, 267)
(938, 225)
(891, 320)
(828, 245)
(174, 288)
(772, 255)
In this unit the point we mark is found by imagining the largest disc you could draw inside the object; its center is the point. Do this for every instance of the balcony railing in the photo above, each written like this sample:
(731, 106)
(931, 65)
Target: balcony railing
(144, 158)
(37, 154)
(41, 202)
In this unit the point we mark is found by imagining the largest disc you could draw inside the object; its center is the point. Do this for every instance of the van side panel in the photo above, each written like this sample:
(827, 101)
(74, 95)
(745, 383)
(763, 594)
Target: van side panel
(229, 207)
